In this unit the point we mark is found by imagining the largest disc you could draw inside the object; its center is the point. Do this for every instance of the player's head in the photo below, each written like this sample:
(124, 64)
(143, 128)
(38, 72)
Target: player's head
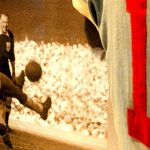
(3, 22)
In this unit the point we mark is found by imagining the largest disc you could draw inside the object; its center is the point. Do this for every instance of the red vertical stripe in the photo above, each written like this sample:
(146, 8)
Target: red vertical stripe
(138, 122)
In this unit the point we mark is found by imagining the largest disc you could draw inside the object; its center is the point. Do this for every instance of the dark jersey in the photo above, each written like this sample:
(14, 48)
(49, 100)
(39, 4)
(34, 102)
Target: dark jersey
(6, 52)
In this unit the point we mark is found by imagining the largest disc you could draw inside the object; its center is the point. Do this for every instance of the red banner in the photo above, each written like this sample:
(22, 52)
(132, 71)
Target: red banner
(138, 122)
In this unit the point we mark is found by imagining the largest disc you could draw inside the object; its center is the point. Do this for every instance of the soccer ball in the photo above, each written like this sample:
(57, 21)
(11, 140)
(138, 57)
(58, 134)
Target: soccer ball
(33, 71)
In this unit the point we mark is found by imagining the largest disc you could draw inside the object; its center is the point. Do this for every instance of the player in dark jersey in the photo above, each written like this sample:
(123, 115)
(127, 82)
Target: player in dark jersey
(6, 54)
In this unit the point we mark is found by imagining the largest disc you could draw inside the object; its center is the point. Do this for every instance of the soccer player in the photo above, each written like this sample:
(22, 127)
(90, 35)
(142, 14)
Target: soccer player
(8, 88)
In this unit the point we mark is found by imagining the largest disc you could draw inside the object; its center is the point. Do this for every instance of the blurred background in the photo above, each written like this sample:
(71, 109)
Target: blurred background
(49, 20)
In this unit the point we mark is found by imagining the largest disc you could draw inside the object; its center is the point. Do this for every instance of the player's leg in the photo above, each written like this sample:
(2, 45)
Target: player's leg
(19, 82)
(3, 129)
(8, 88)
(41, 108)
(5, 136)
(8, 109)
(4, 68)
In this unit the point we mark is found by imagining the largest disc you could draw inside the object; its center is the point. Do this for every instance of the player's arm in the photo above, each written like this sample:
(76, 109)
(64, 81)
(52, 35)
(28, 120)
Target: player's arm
(12, 55)
(13, 68)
